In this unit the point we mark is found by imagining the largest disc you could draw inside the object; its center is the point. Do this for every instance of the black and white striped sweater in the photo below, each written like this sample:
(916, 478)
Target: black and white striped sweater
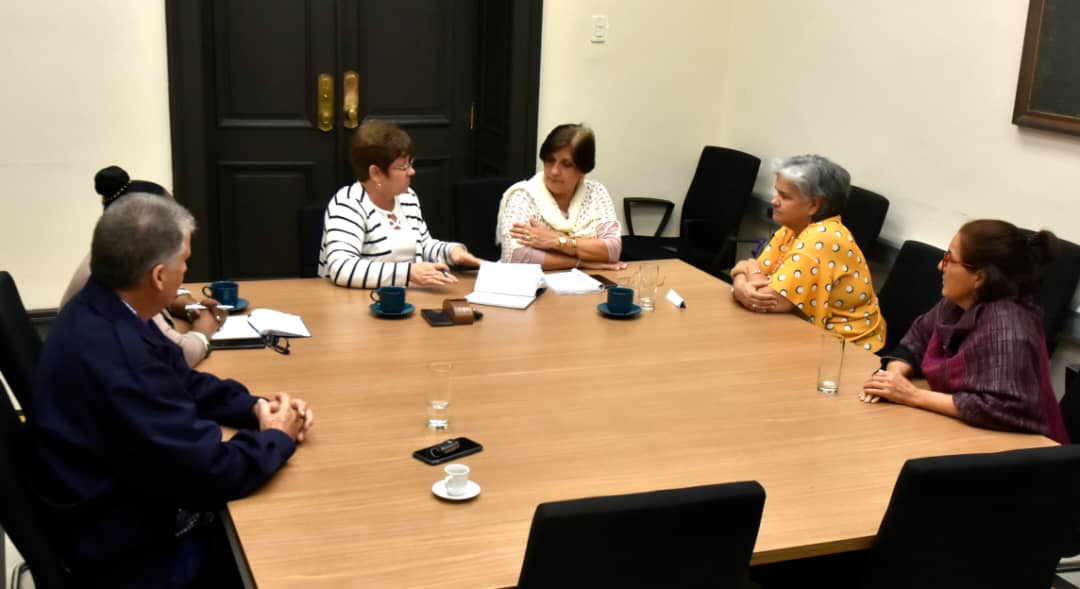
(354, 251)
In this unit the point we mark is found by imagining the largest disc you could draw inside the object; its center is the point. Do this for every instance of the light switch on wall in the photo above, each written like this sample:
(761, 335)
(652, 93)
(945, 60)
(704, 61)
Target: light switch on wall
(599, 29)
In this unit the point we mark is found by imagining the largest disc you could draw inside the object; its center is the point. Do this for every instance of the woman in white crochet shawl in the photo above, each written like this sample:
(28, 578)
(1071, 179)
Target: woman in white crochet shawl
(558, 218)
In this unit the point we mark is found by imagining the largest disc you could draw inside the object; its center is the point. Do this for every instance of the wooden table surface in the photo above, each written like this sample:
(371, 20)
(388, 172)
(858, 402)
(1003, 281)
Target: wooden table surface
(567, 404)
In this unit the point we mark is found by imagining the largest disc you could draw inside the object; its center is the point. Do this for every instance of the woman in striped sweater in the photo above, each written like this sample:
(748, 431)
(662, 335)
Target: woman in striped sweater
(374, 233)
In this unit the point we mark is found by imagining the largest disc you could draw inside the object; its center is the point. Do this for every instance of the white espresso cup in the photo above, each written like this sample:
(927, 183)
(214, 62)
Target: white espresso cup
(457, 476)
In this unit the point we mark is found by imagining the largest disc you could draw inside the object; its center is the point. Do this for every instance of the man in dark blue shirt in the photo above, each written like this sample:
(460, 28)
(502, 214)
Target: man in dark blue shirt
(132, 463)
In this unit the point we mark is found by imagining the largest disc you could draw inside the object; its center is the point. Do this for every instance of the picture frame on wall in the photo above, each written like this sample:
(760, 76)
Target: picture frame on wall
(1048, 91)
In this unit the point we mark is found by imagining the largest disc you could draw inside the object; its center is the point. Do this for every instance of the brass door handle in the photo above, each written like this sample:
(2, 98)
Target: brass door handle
(351, 99)
(326, 102)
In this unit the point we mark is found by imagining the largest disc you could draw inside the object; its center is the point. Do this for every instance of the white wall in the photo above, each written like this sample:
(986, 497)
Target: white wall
(652, 93)
(914, 98)
(85, 86)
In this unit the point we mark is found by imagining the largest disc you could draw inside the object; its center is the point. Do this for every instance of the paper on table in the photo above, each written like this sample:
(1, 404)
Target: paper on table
(259, 322)
(506, 285)
(269, 321)
(236, 327)
(573, 282)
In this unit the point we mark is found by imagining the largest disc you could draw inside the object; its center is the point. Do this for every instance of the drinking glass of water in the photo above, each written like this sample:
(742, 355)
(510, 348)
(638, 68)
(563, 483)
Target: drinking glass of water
(438, 395)
(649, 281)
(831, 363)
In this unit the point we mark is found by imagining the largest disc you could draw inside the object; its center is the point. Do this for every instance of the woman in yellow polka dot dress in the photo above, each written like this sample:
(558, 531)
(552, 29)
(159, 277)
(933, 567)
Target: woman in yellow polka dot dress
(812, 265)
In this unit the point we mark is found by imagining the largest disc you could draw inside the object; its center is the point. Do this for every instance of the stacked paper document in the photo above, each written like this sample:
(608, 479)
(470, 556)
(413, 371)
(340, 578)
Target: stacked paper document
(573, 282)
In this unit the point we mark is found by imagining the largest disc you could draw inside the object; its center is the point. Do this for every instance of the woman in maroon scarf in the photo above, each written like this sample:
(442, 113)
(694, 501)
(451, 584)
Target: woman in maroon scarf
(981, 348)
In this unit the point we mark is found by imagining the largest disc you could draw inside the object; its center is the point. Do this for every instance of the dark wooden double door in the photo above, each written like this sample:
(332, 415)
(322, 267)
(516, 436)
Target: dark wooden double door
(261, 126)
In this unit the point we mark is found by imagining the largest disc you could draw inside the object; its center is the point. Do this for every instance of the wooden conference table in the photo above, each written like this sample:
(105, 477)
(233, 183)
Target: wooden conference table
(567, 404)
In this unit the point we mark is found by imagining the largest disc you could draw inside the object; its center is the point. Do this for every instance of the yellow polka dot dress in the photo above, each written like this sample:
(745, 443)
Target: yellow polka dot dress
(824, 274)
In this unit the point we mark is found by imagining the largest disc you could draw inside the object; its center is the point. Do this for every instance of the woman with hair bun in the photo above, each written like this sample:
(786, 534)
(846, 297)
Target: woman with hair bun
(982, 348)
(113, 183)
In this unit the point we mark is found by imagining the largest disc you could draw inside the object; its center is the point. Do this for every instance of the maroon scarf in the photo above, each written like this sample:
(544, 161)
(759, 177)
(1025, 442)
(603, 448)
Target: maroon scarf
(992, 359)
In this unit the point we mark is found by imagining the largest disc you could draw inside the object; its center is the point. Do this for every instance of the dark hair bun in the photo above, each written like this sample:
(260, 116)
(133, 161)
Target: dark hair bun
(111, 180)
(1044, 247)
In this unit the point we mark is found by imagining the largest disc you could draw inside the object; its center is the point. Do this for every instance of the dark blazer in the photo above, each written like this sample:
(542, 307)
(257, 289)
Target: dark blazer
(126, 433)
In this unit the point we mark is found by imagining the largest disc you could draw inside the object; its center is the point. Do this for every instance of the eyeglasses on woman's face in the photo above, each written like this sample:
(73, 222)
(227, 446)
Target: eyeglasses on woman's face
(949, 259)
(406, 166)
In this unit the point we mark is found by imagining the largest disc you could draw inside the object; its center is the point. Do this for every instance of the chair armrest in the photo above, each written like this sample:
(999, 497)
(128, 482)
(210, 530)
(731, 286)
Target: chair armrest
(669, 207)
(1071, 372)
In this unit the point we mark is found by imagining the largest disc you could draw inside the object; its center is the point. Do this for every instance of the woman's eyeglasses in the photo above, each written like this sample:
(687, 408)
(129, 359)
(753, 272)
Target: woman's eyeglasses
(949, 259)
(406, 166)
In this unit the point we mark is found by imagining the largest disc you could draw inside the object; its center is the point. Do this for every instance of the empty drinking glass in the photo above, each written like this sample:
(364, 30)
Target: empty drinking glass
(649, 280)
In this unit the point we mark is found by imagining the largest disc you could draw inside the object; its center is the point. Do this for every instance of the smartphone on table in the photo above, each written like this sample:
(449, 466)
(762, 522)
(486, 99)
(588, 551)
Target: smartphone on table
(603, 280)
(451, 449)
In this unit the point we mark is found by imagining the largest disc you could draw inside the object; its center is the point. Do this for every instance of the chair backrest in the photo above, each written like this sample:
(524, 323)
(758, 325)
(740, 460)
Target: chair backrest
(310, 229)
(693, 537)
(912, 288)
(1070, 410)
(977, 520)
(476, 212)
(18, 509)
(1059, 283)
(864, 214)
(20, 345)
(721, 188)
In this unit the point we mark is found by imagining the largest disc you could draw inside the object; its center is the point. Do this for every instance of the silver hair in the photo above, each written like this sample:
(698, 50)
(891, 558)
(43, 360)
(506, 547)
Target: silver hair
(135, 234)
(817, 176)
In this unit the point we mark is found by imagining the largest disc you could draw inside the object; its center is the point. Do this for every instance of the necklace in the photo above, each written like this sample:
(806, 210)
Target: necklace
(392, 217)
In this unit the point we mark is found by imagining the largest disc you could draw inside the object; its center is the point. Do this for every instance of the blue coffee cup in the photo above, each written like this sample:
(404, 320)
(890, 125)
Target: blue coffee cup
(391, 299)
(620, 299)
(225, 292)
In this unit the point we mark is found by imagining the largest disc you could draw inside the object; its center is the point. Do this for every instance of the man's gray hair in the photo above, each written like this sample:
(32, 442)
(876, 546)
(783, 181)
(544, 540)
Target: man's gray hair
(134, 235)
(817, 176)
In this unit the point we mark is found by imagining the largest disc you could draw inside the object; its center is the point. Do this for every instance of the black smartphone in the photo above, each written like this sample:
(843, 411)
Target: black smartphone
(436, 317)
(451, 449)
(604, 280)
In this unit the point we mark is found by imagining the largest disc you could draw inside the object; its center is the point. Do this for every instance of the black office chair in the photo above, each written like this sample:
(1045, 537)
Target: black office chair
(977, 520)
(20, 345)
(864, 215)
(19, 513)
(476, 214)
(693, 537)
(1070, 411)
(310, 232)
(912, 288)
(1055, 294)
(712, 210)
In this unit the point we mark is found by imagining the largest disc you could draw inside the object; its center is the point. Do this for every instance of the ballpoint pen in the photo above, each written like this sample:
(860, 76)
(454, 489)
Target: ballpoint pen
(194, 306)
(432, 260)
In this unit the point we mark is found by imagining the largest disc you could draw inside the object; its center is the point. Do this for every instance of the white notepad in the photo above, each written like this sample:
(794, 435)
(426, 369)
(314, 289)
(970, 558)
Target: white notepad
(261, 322)
(506, 285)
(573, 282)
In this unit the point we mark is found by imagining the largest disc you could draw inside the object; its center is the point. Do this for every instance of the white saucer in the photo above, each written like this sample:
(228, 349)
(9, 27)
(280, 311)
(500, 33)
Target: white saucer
(471, 490)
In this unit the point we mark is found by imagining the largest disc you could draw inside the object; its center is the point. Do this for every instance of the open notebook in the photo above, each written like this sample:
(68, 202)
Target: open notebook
(506, 285)
(248, 330)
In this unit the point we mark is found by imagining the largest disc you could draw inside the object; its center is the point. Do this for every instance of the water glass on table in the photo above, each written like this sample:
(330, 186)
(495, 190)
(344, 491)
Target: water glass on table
(438, 395)
(649, 281)
(831, 363)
